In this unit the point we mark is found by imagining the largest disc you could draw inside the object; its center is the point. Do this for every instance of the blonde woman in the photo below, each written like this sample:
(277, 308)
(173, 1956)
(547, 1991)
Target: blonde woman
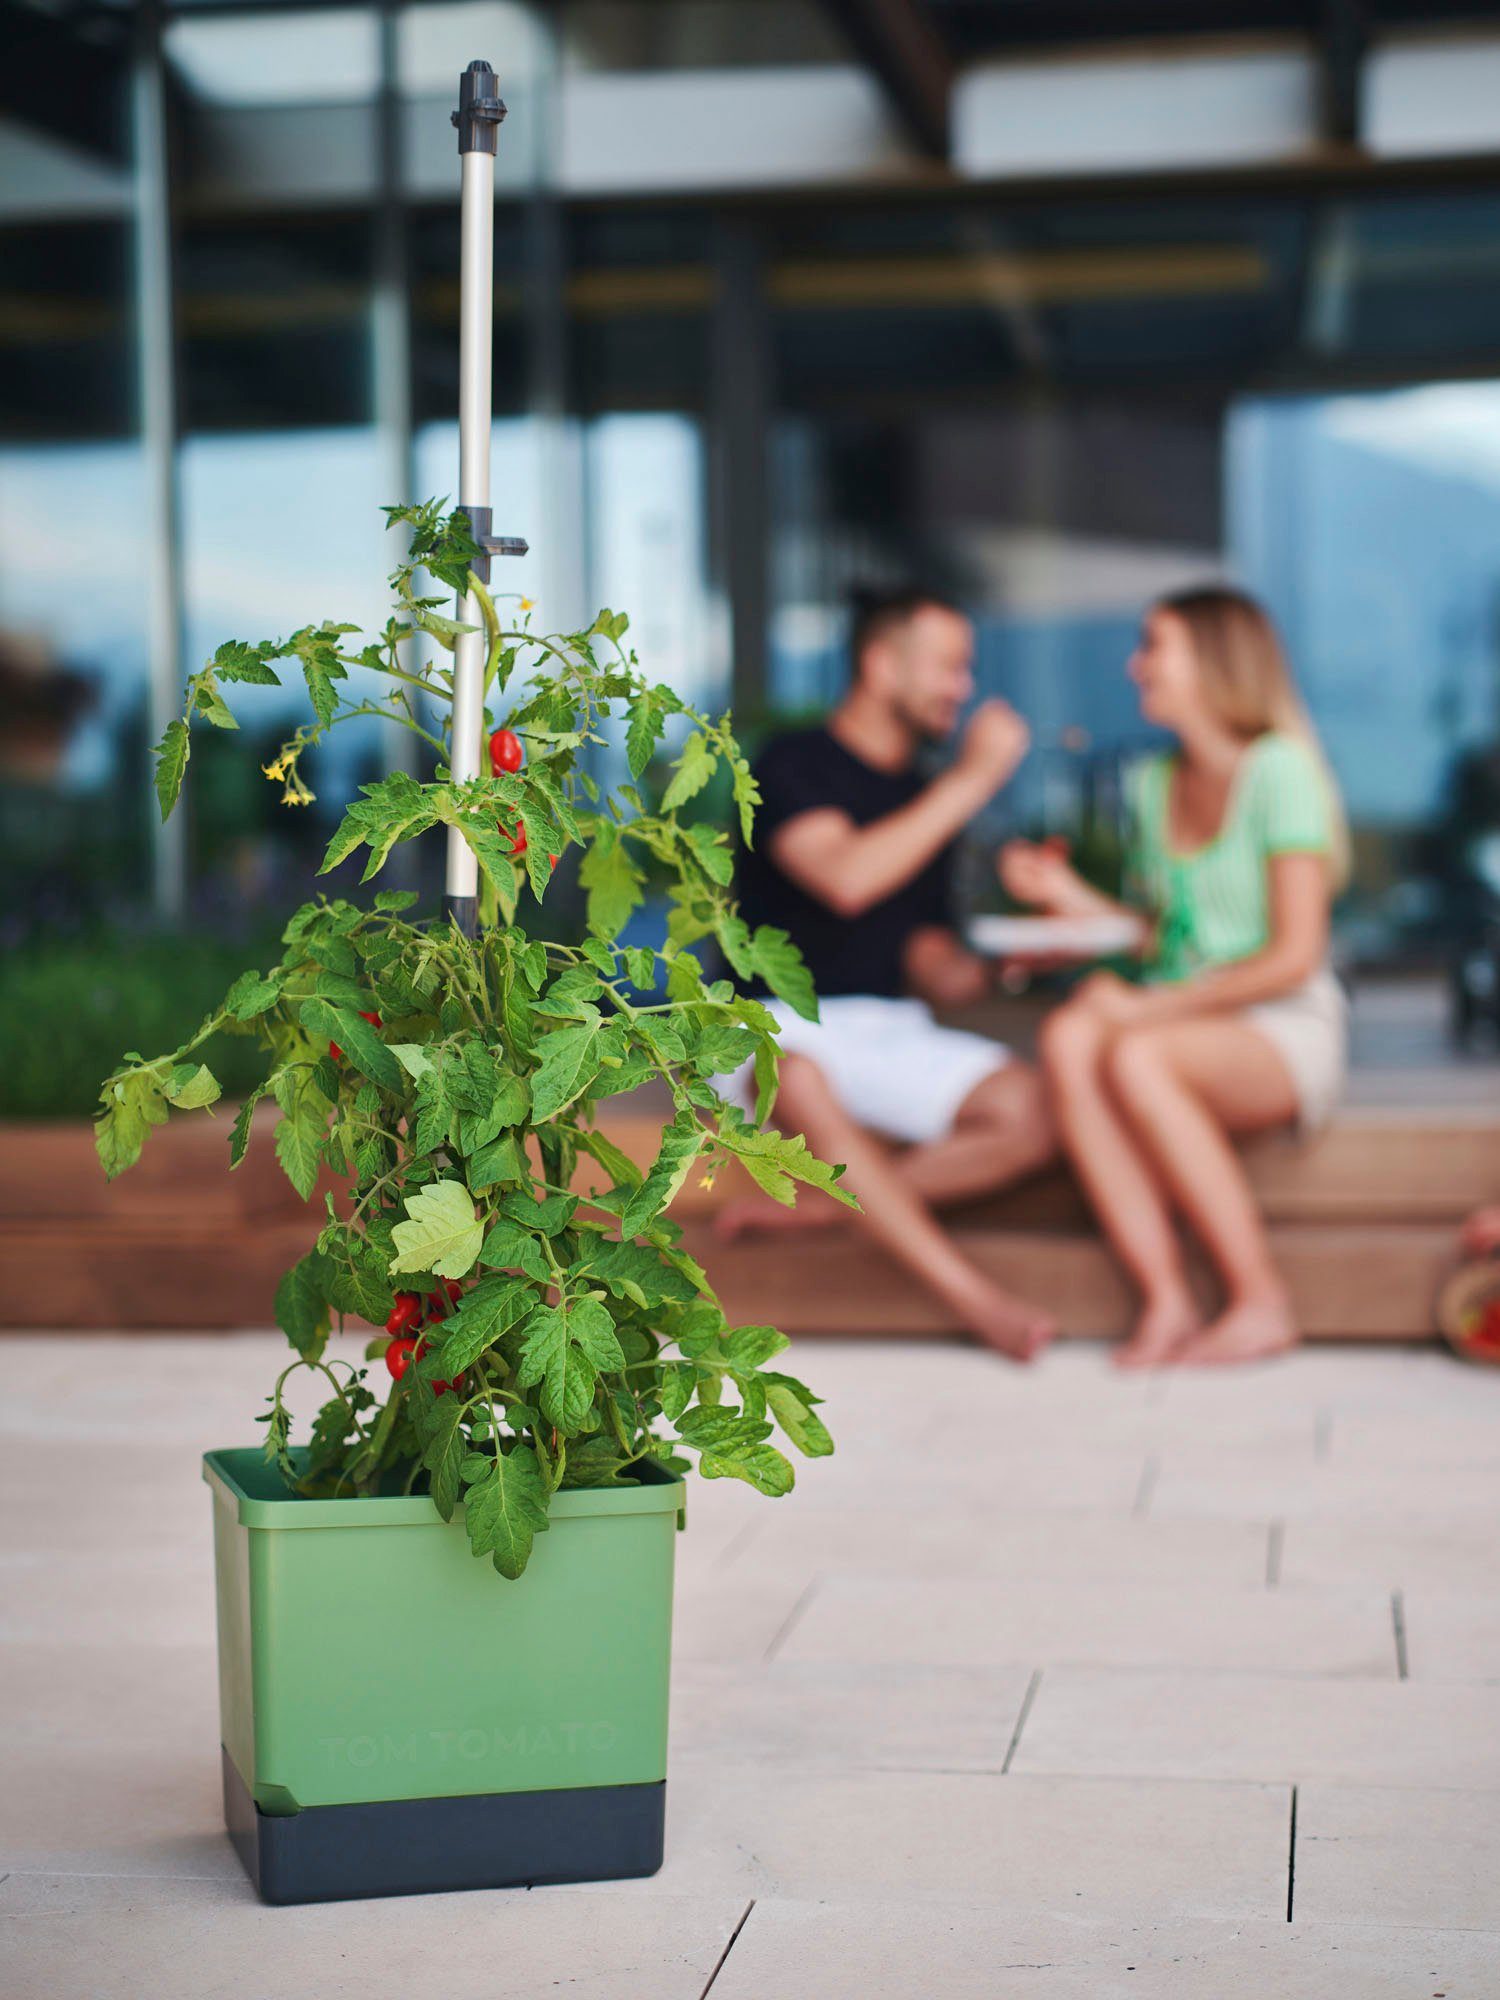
(1237, 845)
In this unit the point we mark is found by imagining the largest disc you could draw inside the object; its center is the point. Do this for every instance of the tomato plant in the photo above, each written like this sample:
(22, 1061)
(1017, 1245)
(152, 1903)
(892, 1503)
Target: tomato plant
(437, 1093)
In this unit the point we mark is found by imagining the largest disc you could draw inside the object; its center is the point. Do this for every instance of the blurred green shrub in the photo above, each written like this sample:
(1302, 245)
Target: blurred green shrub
(68, 1006)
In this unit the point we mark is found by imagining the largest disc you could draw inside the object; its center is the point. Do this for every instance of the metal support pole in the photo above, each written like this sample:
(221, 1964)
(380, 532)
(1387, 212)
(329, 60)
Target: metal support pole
(477, 118)
(156, 377)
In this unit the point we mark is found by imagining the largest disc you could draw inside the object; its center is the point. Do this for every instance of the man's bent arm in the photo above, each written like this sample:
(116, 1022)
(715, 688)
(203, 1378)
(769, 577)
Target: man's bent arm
(939, 969)
(851, 868)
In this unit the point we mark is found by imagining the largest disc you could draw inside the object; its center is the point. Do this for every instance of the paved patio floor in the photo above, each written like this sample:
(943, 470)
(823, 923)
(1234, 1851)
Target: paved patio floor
(1056, 1684)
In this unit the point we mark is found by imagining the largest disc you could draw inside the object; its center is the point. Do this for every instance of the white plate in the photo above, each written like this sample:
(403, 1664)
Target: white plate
(1053, 937)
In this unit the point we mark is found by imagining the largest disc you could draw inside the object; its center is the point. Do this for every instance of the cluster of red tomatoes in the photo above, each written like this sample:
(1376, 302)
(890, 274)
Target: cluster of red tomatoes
(506, 754)
(407, 1317)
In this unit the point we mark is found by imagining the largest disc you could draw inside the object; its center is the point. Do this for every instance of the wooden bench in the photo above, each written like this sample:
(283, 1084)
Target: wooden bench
(1363, 1220)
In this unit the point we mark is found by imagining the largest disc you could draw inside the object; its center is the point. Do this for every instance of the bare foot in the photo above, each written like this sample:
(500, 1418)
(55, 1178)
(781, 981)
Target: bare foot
(1251, 1330)
(1166, 1323)
(759, 1215)
(1006, 1325)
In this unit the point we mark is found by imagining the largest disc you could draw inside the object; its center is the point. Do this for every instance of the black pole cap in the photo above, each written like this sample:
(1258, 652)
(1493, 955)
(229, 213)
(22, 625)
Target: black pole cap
(479, 110)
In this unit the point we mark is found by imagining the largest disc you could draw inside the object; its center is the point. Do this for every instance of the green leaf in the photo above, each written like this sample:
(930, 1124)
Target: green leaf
(695, 765)
(239, 1132)
(301, 1129)
(636, 1272)
(712, 852)
(681, 1143)
(485, 1312)
(235, 661)
(788, 1404)
(767, 1077)
(775, 1160)
(302, 1306)
(746, 796)
(442, 1234)
(593, 1330)
(759, 1465)
(132, 1103)
(354, 1278)
(171, 763)
(505, 1512)
(443, 1452)
(192, 1086)
(357, 1038)
(510, 1244)
(614, 884)
(781, 966)
(569, 1063)
(251, 995)
(749, 1346)
(550, 1356)
(647, 714)
(621, 1169)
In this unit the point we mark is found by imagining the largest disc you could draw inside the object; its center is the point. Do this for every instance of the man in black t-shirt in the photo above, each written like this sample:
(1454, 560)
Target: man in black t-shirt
(852, 857)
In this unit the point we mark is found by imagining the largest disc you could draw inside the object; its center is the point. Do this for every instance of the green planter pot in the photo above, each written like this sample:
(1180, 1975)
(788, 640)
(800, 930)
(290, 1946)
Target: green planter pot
(396, 1717)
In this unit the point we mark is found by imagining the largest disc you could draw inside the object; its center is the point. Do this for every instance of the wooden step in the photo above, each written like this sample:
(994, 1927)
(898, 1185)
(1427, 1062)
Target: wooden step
(1363, 1220)
(1347, 1281)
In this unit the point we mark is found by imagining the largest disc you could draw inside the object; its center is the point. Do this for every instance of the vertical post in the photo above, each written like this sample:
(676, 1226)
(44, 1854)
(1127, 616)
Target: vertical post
(156, 378)
(390, 344)
(740, 458)
(477, 118)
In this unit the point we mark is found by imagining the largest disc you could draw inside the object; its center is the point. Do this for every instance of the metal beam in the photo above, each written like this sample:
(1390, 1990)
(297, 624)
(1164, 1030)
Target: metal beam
(896, 39)
(156, 375)
(69, 85)
(1343, 43)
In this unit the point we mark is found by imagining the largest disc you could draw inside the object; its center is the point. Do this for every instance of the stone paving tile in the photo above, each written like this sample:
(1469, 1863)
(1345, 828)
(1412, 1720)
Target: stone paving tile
(848, 1718)
(1195, 1478)
(1428, 1858)
(995, 1620)
(1452, 1636)
(1086, 1846)
(1273, 1728)
(113, 1938)
(1024, 1544)
(849, 1951)
(733, 1619)
(1461, 1557)
(110, 1759)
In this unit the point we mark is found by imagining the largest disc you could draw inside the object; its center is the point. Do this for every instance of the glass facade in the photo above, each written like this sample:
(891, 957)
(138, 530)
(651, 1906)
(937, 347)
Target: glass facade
(719, 413)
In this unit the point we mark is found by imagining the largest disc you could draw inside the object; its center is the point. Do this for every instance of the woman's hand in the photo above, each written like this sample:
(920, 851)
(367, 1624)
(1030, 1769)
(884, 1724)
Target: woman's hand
(1040, 873)
(1114, 1001)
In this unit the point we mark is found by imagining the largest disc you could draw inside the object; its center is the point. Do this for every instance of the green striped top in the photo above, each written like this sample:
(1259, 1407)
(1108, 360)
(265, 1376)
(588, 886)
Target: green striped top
(1212, 905)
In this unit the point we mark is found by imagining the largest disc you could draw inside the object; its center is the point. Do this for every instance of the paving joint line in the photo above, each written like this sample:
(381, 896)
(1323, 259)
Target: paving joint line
(1398, 1625)
(1026, 1700)
(789, 1624)
(1291, 1859)
(734, 1938)
(1146, 1486)
(1275, 1548)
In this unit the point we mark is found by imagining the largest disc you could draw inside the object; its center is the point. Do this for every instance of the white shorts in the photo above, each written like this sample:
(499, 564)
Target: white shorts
(891, 1066)
(1309, 1029)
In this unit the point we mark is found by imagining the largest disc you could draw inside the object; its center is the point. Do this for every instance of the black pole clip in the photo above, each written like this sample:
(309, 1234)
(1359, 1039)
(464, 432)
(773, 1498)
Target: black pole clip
(479, 110)
(481, 520)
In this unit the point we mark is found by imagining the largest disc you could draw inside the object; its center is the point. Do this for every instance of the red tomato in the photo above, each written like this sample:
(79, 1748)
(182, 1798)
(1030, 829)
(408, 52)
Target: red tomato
(405, 1313)
(506, 753)
(400, 1354)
